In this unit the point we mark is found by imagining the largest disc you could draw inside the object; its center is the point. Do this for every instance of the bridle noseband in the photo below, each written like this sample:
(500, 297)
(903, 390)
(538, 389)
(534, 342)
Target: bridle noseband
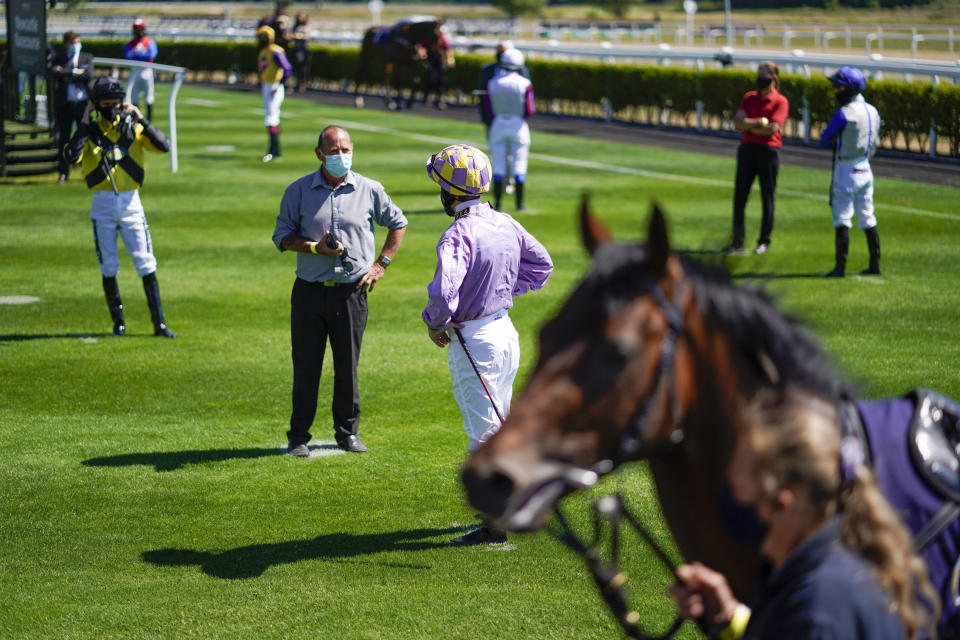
(609, 578)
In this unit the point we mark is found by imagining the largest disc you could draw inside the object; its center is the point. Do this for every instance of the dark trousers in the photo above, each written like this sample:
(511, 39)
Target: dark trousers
(301, 69)
(436, 78)
(755, 161)
(316, 313)
(68, 114)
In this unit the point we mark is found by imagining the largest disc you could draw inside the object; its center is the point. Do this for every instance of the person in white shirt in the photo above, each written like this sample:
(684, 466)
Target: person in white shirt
(509, 102)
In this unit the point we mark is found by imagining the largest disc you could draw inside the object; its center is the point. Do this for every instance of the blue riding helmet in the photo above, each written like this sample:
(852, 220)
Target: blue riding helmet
(850, 77)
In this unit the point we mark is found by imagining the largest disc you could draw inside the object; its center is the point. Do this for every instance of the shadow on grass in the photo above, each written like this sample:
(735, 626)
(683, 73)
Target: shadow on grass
(705, 251)
(20, 337)
(769, 275)
(251, 561)
(172, 460)
(425, 191)
(724, 258)
(422, 212)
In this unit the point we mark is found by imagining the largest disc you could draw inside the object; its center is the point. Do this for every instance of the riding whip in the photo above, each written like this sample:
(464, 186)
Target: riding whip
(473, 363)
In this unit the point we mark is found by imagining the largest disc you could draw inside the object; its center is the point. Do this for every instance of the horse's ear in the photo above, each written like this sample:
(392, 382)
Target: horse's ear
(658, 244)
(593, 233)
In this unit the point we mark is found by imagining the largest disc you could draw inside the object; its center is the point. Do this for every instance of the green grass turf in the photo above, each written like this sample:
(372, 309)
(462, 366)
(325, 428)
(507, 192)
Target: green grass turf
(142, 494)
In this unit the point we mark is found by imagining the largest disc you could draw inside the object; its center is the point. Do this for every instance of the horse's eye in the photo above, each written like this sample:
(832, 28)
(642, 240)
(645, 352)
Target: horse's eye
(599, 367)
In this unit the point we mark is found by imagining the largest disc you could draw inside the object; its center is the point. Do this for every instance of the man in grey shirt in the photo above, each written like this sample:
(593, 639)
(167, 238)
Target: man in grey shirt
(327, 217)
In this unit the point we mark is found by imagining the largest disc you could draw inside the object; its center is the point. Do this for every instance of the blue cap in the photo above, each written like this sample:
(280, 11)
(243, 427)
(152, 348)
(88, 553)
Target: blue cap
(850, 77)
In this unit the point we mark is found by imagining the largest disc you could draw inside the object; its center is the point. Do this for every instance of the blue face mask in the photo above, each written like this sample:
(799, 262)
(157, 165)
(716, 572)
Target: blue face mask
(73, 49)
(338, 165)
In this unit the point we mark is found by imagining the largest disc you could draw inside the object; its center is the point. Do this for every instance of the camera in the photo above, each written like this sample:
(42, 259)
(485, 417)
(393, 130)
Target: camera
(345, 259)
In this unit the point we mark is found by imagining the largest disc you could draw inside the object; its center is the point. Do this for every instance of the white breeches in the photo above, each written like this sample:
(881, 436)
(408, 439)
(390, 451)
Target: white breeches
(272, 99)
(509, 138)
(853, 193)
(140, 82)
(121, 213)
(495, 347)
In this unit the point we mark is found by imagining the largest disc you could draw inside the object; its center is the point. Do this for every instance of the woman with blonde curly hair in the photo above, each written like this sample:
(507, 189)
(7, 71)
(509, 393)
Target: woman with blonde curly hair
(839, 563)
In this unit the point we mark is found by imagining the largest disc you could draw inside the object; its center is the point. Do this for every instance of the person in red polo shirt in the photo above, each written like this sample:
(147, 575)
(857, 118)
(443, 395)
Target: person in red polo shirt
(760, 117)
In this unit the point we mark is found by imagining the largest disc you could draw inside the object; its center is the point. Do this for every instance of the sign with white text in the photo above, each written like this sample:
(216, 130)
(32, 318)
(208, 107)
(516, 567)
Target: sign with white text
(27, 35)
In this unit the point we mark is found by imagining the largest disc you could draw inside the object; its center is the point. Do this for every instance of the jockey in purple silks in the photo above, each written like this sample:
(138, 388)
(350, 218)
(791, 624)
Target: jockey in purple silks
(854, 132)
(484, 259)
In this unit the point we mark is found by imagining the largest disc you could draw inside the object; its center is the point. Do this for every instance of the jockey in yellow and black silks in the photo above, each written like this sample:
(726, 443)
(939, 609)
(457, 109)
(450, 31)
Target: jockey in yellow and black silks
(123, 141)
(274, 69)
(111, 146)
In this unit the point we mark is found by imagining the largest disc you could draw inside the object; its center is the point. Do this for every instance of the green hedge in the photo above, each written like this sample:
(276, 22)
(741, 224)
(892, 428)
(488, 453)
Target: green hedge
(946, 113)
(647, 88)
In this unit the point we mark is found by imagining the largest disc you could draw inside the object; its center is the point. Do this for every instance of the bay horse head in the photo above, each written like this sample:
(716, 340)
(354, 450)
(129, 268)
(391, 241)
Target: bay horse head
(653, 356)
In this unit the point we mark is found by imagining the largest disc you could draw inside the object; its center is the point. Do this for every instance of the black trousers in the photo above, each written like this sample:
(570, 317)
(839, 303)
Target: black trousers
(68, 114)
(755, 161)
(436, 77)
(316, 314)
(301, 69)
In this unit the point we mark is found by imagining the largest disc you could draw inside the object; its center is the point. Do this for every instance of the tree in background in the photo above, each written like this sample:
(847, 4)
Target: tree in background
(516, 8)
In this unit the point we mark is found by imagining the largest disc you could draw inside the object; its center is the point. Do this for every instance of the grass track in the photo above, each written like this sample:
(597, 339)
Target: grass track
(141, 490)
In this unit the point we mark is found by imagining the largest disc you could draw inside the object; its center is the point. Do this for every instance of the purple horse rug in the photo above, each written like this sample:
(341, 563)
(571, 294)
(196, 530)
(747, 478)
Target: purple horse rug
(914, 444)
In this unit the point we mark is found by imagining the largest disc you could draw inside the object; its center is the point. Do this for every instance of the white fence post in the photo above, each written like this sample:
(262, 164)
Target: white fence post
(827, 37)
(699, 100)
(933, 126)
(805, 111)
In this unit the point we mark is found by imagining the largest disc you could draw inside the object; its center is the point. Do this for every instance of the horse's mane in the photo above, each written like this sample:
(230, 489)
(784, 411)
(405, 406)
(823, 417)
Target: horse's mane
(747, 315)
(756, 326)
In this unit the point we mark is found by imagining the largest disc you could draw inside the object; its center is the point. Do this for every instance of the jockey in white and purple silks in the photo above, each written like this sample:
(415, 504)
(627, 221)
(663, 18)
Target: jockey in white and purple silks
(855, 132)
(509, 102)
(484, 259)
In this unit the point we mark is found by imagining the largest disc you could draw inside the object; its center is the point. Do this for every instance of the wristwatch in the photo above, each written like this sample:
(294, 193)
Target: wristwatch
(383, 261)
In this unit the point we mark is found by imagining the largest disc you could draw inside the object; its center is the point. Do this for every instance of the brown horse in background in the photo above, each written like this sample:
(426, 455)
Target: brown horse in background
(396, 57)
(658, 357)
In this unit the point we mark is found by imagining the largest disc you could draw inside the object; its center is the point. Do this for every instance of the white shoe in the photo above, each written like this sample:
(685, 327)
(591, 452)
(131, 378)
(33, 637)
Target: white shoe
(267, 158)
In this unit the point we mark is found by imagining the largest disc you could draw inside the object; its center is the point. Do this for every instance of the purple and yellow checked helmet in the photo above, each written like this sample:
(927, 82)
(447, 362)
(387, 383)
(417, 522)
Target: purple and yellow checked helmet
(460, 170)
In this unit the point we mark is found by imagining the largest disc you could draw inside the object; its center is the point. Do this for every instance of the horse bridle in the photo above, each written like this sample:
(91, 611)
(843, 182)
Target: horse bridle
(633, 446)
(609, 578)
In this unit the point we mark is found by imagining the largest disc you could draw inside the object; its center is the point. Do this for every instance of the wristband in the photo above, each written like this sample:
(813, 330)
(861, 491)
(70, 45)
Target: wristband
(738, 624)
(313, 247)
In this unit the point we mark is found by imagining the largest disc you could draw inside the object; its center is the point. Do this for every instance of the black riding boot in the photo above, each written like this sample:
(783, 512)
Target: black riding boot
(518, 191)
(112, 291)
(873, 243)
(497, 193)
(841, 244)
(275, 144)
(152, 289)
